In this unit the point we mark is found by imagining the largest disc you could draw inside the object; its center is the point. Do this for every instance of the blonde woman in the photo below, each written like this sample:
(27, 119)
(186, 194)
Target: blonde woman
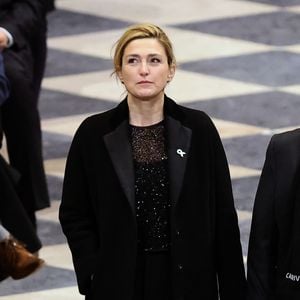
(147, 205)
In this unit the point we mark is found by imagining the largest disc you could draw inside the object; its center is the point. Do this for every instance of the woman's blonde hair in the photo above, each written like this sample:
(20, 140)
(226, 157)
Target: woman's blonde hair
(141, 31)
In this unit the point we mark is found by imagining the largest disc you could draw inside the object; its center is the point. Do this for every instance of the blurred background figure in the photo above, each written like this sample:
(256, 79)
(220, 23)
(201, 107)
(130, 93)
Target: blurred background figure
(274, 245)
(23, 29)
(15, 259)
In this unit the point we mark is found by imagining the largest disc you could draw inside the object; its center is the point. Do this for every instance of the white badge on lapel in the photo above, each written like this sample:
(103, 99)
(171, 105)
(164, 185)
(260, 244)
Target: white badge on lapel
(180, 152)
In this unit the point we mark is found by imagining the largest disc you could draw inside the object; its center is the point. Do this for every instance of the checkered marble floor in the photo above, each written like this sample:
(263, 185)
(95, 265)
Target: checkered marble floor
(238, 60)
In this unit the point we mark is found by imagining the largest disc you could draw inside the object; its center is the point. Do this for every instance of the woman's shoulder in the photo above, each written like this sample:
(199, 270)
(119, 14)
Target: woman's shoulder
(196, 118)
(192, 112)
(98, 123)
(97, 118)
(287, 138)
(286, 144)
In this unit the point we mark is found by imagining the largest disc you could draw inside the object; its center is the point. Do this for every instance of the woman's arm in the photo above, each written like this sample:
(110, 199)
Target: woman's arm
(229, 258)
(77, 215)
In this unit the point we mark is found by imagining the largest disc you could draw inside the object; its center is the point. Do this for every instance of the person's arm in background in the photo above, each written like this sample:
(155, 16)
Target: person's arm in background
(22, 21)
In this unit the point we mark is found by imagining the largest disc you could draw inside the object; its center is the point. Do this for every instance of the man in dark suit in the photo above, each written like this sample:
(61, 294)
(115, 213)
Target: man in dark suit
(15, 259)
(23, 28)
(274, 246)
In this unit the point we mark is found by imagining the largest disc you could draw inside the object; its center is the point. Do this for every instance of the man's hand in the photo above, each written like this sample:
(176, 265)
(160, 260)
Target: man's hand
(3, 40)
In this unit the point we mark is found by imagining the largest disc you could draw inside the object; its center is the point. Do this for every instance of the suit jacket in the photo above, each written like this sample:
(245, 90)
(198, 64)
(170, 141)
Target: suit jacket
(24, 66)
(274, 246)
(21, 17)
(26, 21)
(97, 212)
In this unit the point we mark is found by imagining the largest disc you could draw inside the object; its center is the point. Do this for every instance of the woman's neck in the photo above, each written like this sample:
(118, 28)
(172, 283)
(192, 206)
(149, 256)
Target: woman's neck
(145, 113)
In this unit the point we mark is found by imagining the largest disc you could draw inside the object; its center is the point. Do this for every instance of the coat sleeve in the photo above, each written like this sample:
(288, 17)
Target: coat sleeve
(229, 258)
(261, 252)
(76, 215)
(4, 87)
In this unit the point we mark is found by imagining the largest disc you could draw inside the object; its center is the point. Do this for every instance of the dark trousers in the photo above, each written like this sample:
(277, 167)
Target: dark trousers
(12, 214)
(21, 124)
(153, 276)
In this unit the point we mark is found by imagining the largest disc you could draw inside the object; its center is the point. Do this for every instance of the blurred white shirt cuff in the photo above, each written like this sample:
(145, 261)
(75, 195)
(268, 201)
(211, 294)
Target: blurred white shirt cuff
(9, 37)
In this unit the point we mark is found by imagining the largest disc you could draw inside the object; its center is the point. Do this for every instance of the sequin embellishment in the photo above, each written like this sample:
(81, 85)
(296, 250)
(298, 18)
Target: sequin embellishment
(151, 186)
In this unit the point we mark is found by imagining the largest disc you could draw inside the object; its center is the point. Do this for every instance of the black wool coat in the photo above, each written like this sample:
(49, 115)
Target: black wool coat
(274, 245)
(97, 211)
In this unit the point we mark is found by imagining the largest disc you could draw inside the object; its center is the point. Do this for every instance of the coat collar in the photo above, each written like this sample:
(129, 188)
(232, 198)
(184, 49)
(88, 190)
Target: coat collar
(170, 109)
(178, 141)
(119, 148)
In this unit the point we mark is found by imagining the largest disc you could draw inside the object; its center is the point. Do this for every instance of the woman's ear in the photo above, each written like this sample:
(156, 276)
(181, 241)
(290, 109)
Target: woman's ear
(119, 73)
(171, 72)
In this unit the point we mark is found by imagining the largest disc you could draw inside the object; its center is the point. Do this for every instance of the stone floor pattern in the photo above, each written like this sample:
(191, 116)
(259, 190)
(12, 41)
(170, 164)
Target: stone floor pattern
(238, 61)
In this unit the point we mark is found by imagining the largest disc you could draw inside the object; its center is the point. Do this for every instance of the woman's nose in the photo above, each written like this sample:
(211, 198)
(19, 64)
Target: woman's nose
(144, 69)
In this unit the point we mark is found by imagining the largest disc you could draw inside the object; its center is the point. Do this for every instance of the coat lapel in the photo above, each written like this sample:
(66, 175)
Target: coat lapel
(179, 140)
(119, 149)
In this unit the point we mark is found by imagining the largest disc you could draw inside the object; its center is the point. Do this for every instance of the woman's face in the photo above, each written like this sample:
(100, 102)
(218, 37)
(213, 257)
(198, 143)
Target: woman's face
(145, 70)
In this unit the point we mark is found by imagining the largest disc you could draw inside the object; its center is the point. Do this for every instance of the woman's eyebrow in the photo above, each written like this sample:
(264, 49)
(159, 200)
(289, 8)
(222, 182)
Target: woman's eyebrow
(137, 55)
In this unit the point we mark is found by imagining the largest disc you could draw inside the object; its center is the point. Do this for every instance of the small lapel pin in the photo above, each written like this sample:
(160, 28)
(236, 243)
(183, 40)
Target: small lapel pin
(180, 152)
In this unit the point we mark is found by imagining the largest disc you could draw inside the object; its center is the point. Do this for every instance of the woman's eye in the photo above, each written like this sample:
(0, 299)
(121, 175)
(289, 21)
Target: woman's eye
(132, 60)
(155, 60)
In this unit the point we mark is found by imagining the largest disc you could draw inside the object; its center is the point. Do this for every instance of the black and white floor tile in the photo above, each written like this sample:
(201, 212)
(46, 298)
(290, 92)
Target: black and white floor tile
(238, 61)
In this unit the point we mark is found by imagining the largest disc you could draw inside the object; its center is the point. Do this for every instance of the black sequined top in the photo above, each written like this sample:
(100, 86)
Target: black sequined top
(151, 186)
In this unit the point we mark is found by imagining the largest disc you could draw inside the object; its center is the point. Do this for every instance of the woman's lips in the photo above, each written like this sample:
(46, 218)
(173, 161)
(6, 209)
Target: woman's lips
(144, 82)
